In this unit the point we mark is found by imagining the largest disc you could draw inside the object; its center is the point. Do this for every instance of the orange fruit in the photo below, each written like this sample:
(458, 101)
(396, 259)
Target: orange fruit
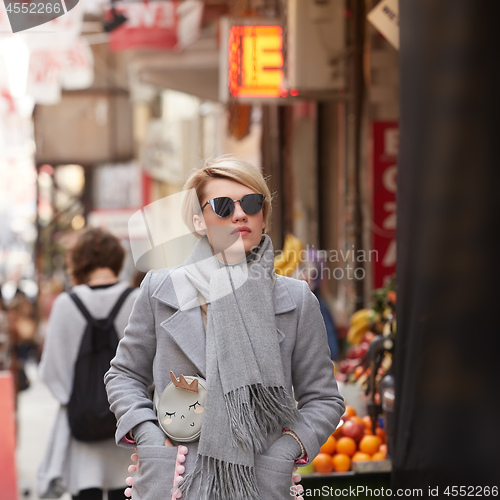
(370, 444)
(347, 446)
(368, 432)
(359, 456)
(379, 456)
(323, 463)
(349, 412)
(383, 449)
(341, 462)
(329, 445)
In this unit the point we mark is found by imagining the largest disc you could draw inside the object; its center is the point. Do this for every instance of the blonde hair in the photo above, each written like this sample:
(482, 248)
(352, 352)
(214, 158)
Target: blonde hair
(223, 167)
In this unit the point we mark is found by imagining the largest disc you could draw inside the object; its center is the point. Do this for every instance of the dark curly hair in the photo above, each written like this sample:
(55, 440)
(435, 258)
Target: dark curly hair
(95, 248)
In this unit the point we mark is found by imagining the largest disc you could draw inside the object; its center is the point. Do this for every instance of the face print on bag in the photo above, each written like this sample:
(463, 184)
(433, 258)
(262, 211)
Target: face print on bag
(181, 406)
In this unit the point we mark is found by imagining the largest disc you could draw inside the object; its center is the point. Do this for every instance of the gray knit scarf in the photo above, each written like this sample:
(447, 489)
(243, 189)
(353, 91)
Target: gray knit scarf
(246, 394)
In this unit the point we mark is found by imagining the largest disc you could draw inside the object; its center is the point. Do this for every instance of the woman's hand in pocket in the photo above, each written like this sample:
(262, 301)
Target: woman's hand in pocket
(144, 434)
(285, 447)
(149, 434)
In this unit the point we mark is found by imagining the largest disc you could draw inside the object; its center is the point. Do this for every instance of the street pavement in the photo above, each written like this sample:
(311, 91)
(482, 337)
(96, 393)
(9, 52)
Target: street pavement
(36, 411)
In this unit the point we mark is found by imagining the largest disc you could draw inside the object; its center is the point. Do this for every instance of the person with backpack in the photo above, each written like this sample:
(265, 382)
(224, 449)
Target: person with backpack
(84, 328)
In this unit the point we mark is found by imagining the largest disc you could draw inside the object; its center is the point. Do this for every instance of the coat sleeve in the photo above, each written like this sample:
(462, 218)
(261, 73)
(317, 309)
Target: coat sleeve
(315, 389)
(131, 371)
(60, 349)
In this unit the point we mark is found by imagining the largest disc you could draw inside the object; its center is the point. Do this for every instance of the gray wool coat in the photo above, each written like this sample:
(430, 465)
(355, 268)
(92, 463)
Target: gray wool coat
(163, 335)
(68, 464)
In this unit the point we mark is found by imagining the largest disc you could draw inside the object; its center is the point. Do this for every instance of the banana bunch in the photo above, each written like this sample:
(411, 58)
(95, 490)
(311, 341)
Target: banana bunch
(289, 259)
(360, 324)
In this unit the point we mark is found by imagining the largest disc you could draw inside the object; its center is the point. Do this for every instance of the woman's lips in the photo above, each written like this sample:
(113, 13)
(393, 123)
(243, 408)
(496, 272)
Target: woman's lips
(242, 230)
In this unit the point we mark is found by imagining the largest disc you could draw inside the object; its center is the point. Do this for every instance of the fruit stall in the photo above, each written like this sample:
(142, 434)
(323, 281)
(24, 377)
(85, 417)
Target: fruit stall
(357, 454)
(352, 456)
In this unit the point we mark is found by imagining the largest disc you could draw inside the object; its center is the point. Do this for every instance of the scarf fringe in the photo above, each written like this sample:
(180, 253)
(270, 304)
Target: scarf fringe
(220, 480)
(255, 411)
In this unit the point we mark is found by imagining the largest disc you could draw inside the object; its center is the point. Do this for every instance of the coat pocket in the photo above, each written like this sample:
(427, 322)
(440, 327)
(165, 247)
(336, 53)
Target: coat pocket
(154, 479)
(274, 478)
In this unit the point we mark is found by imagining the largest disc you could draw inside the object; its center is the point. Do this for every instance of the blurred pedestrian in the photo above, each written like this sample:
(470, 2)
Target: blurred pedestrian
(25, 323)
(313, 271)
(85, 469)
(229, 325)
(22, 329)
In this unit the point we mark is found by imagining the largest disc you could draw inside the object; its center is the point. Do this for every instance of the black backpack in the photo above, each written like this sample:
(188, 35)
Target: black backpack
(89, 416)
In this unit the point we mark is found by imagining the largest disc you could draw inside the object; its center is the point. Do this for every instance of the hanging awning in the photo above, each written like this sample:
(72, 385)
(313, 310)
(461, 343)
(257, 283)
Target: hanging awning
(194, 70)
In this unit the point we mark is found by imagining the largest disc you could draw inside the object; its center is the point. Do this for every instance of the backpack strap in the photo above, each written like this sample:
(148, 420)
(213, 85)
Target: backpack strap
(119, 303)
(112, 315)
(80, 306)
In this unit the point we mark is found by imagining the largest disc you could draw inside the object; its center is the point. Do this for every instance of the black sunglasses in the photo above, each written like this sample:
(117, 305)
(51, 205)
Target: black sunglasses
(224, 206)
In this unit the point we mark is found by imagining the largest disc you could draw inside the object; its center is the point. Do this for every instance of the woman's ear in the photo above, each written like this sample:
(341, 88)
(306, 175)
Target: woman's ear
(199, 225)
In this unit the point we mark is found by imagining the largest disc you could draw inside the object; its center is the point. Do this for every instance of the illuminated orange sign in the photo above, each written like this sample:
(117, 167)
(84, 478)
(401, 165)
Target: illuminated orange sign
(255, 61)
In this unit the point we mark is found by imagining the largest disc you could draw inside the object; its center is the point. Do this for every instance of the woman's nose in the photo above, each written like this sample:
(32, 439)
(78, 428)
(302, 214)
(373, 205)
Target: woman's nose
(238, 213)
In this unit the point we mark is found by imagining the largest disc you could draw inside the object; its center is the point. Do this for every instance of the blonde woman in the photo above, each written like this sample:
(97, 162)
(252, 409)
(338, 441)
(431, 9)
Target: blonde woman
(256, 339)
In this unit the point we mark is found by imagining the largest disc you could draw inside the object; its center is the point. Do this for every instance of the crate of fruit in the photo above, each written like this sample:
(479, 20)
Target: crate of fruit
(372, 466)
(353, 447)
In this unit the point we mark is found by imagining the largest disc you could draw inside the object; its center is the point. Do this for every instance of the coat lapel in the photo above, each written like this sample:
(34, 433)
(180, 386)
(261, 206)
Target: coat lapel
(283, 303)
(186, 329)
(185, 325)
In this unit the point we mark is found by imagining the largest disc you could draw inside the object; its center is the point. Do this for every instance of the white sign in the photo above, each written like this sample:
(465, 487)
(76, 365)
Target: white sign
(77, 65)
(70, 67)
(385, 17)
(44, 76)
(117, 186)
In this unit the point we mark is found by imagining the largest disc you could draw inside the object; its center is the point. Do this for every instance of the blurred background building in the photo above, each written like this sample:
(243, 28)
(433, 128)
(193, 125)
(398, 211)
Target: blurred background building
(111, 107)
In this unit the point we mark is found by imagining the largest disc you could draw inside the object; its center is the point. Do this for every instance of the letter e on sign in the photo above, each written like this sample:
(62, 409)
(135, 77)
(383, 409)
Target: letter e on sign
(255, 61)
(391, 142)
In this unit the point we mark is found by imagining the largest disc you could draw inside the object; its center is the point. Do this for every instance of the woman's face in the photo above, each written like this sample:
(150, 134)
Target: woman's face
(224, 233)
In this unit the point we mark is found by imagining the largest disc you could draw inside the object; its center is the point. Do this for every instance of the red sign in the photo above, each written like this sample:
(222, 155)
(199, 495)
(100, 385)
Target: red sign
(385, 155)
(160, 25)
(7, 435)
(255, 61)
